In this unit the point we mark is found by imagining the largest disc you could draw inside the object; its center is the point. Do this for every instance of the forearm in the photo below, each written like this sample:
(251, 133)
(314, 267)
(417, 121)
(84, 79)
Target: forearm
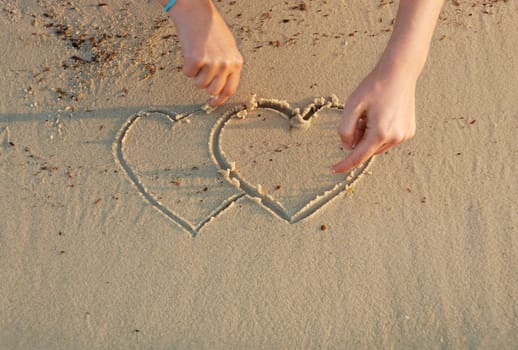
(409, 44)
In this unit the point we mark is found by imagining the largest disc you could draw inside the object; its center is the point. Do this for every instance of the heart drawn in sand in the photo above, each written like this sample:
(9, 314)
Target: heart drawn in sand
(193, 167)
(166, 157)
(281, 156)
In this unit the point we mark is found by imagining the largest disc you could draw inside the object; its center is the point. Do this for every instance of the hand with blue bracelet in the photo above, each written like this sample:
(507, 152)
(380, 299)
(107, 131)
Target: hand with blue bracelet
(211, 56)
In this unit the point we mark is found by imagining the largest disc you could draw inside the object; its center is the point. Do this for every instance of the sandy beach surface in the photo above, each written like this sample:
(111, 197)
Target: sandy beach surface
(132, 219)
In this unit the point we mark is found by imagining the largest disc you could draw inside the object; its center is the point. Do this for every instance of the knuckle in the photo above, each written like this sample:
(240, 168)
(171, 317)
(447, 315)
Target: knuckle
(202, 63)
(346, 141)
(398, 137)
(353, 101)
(405, 135)
(224, 64)
(197, 61)
(381, 135)
(344, 131)
(347, 138)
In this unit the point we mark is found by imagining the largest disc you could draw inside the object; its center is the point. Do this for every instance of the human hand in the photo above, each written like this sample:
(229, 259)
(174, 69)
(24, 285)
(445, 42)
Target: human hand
(211, 56)
(378, 115)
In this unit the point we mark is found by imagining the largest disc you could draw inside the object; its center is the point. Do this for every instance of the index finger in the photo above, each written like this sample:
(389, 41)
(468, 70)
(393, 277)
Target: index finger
(361, 153)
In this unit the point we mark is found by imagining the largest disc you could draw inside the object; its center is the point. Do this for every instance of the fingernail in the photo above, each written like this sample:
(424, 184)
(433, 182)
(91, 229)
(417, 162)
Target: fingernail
(213, 100)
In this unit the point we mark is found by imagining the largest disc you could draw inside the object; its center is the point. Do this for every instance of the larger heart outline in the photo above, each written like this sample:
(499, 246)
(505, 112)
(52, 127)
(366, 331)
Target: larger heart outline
(298, 119)
(122, 160)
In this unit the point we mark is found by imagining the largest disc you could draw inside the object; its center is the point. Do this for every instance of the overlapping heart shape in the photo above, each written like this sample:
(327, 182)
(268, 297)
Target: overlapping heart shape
(191, 167)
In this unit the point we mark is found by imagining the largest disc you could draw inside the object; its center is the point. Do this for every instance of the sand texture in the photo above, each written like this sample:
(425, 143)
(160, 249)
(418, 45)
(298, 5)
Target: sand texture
(132, 219)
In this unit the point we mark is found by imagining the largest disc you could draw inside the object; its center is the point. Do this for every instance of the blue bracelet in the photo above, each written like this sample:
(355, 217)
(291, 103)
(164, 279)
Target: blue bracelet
(169, 5)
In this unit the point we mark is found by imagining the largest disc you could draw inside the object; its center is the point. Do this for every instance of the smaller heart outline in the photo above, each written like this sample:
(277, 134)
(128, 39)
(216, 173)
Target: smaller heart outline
(296, 118)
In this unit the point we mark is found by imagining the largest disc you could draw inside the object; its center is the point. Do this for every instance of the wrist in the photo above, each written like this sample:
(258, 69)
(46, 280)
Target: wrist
(185, 10)
(401, 61)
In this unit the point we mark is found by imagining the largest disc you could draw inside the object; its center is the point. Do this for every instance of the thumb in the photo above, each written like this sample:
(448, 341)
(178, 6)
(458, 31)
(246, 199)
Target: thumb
(348, 128)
